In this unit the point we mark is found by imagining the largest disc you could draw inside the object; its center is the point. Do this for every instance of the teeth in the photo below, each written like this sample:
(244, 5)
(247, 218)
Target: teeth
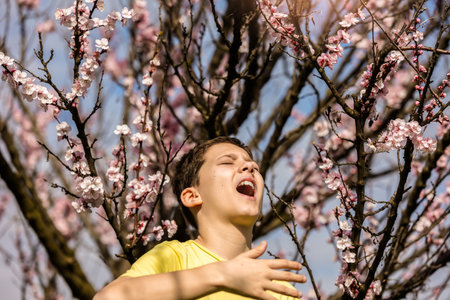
(246, 182)
(246, 187)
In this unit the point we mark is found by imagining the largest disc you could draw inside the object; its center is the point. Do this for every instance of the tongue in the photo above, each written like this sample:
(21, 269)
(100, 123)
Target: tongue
(245, 189)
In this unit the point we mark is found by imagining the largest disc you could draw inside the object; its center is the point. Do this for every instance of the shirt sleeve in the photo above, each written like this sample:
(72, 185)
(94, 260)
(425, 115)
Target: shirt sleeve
(161, 259)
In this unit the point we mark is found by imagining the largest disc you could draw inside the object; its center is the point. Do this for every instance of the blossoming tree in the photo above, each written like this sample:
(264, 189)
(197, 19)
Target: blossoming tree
(100, 99)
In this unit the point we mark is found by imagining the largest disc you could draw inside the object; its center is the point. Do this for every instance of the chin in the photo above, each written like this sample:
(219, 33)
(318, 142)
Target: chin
(246, 220)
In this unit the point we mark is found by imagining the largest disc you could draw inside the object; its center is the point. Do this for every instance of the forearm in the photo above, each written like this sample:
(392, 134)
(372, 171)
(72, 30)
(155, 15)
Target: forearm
(186, 284)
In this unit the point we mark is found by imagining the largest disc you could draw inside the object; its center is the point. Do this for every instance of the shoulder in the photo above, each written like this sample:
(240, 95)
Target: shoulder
(164, 257)
(174, 245)
(165, 250)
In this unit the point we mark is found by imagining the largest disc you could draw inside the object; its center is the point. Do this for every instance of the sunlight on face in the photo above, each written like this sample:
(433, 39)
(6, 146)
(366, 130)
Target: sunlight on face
(230, 184)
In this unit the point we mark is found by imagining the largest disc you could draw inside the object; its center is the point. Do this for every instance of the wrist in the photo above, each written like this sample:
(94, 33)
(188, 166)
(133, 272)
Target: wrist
(216, 275)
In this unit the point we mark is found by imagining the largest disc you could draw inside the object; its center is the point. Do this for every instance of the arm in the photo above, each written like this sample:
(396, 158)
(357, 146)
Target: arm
(186, 284)
(243, 274)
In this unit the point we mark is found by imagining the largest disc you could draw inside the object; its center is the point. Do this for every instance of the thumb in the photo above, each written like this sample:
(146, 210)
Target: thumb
(257, 251)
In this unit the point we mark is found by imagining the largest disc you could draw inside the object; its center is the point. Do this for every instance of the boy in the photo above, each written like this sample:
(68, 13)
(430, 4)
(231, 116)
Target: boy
(220, 190)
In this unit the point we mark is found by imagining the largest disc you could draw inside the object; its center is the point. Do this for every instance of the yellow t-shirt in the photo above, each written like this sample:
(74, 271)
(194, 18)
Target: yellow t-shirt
(176, 256)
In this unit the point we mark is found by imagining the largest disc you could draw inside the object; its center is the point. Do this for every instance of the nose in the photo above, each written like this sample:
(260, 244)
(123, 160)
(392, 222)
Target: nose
(247, 166)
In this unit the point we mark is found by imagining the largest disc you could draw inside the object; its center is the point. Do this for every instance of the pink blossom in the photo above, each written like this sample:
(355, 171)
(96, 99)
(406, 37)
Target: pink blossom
(344, 225)
(309, 194)
(374, 289)
(20, 77)
(422, 224)
(343, 243)
(45, 27)
(322, 128)
(343, 36)
(325, 164)
(417, 36)
(29, 90)
(397, 133)
(138, 138)
(102, 43)
(327, 60)
(425, 145)
(423, 70)
(62, 130)
(145, 238)
(91, 189)
(414, 128)
(348, 282)
(158, 232)
(170, 226)
(65, 15)
(141, 226)
(6, 60)
(154, 184)
(333, 180)
(144, 160)
(122, 130)
(349, 256)
(350, 19)
(335, 49)
(157, 177)
(131, 204)
(127, 14)
(113, 174)
(44, 96)
(80, 168)
(138, 120)
(300, 214)
(395, 56)
(361, 14)
(147, 80)
(73, 155)
(140, 188)
(100, 5)
(281, 29)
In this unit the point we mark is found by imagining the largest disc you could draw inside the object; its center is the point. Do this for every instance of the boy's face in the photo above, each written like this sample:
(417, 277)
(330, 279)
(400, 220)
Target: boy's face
(230, 186)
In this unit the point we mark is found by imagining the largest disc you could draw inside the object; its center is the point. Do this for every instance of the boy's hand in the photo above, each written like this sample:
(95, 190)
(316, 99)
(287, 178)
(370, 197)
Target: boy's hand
(251, 277)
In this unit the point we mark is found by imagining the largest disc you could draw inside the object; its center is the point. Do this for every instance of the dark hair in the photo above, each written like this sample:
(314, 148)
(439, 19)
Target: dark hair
(186, 170)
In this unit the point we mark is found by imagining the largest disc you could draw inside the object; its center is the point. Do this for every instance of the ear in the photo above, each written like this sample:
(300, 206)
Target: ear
(190, 197)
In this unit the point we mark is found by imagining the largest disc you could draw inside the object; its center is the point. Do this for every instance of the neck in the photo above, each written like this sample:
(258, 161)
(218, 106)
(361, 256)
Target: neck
(226, 240)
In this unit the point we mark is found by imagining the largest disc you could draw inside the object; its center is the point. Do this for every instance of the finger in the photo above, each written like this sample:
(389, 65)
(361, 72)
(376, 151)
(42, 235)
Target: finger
(282, 289)
(263, 295)
(287, 276)
(257, 251)
(284, 264)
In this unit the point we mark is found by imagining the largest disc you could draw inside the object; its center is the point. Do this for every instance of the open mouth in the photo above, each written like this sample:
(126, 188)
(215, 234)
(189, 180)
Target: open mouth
(246, 187)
